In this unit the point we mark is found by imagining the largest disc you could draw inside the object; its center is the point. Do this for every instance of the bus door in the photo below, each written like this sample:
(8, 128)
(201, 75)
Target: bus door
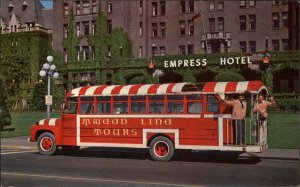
(68, 131)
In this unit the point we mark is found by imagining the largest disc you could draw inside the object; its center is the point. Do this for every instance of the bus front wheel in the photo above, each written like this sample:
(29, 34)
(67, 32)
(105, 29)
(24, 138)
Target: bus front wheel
(46, 144)
(161, 149)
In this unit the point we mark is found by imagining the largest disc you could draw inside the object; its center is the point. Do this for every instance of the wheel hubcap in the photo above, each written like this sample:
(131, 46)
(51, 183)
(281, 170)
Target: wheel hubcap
(161, 149)
(46, 144)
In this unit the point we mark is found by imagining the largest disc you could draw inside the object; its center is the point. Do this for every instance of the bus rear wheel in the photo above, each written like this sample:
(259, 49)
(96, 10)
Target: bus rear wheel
(161, 149)
(46, 144)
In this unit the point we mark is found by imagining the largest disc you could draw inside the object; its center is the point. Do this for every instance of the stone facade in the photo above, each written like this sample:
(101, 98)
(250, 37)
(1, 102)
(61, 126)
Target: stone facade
(159, 28)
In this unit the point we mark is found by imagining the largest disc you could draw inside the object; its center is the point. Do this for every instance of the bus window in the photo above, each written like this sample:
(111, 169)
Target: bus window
(138, 104)
(175, 103)
(103, 105)
(87, 105)
(120, 104)
(71, 105)
(194, 104)
(212, 104)
(156, 104)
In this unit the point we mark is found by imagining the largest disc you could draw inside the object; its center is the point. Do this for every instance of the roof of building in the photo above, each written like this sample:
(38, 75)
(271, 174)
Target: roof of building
(27, 11)
(48, 18)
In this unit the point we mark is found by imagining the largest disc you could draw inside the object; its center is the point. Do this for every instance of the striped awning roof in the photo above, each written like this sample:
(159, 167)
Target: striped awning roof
(235, 87)
(138, 89)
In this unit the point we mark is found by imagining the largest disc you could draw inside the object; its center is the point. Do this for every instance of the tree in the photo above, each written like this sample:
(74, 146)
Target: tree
(5, 117)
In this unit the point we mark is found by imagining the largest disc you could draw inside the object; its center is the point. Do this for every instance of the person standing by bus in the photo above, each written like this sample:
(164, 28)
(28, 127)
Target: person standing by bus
(261, 109)
(239, 107)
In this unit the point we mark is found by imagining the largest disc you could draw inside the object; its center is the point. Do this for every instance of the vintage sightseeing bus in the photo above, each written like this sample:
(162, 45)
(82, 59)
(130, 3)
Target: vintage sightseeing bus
(158, 117)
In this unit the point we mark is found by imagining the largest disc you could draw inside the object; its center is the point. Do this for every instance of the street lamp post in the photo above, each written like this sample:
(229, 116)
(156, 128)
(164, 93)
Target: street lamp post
(49, 70)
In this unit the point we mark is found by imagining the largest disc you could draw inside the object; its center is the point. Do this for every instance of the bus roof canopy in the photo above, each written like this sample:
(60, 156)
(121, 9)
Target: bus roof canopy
(138, 89)
(235, 87)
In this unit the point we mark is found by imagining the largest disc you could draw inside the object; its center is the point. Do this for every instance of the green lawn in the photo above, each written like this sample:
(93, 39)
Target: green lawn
(283, 128)
(21, 124)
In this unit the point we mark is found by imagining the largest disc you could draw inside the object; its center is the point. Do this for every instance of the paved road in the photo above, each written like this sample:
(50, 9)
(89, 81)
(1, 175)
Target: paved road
(111, 167)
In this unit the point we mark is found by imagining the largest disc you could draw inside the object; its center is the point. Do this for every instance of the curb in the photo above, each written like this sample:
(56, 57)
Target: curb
(21, 148)
(270, 157)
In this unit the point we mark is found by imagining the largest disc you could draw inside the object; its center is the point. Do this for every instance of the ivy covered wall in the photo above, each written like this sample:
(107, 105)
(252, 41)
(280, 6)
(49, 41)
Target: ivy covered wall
(22, 55)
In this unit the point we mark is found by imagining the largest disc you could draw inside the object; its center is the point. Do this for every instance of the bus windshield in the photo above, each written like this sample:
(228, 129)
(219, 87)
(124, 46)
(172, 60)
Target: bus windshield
(71, 105)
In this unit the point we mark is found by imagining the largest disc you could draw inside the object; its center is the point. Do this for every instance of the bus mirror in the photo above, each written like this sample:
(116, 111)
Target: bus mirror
(37, 123)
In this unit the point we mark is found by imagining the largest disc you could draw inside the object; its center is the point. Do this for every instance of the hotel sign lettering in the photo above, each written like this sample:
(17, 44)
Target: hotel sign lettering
(223, 61)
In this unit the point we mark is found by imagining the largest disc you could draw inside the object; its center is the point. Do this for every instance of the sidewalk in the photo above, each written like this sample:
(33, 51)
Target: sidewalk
(21, 143)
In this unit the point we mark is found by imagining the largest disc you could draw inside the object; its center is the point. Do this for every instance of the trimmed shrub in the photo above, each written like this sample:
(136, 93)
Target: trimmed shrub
(229, 77)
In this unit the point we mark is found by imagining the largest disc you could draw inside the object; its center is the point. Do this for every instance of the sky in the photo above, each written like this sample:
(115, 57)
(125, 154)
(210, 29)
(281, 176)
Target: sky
(47, 3)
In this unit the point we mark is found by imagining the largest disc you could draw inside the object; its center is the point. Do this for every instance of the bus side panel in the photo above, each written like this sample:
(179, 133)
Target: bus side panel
(68, 134)
(199, 132)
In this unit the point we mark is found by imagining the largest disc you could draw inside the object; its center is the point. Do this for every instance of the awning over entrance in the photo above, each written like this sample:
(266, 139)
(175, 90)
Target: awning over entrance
(138, 89)
(235, 87)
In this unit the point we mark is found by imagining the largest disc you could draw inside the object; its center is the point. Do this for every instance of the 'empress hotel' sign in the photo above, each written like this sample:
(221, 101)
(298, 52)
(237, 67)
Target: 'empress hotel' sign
(203, 62)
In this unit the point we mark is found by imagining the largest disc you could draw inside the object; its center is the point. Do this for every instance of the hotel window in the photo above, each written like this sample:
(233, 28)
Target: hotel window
(211, 5)
(285, 2)
(86, 27)
(78, 29)
(243, 3)
(86, 7)
(252, 23)
(66, 10)
(154, 8)
(109, 24)
(275, 45)
(163, 29)
(93, 52)
(221, 5)
(182, 27)
(182, 49)
(65, 55)
(154, 51)
(242, 23)
(109, 7)
(182, 6)
(93, 27)
(141, 52)
(191, 27)
(154, 30)
(285, 20)
(191, 6)
(86, 52)
(211, 24)
(243, 47)
(220, 24)
(162, 7)
(285, 44)
(275, 2)
(190, 49)
(78, 52)
(94, 6)
(141, 8)
(77, 4)
(162, 50)
(275, 17)
(141, 29)
(65, 28)
(252, 46)
(252, 3)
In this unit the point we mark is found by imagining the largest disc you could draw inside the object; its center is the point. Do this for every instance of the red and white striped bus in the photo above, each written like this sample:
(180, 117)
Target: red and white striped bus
(159, 117)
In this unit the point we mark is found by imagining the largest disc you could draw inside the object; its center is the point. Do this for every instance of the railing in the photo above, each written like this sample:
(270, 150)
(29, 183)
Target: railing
(215, 35)
(253, 132)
